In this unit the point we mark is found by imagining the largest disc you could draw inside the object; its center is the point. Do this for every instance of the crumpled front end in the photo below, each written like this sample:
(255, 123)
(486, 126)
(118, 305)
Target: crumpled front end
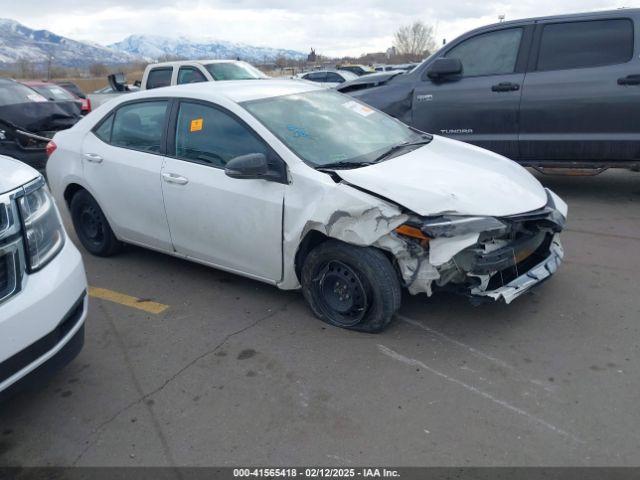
(485, 258)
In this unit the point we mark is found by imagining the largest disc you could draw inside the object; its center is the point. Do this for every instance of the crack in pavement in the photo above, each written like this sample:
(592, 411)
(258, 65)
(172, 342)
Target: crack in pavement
(98, 430)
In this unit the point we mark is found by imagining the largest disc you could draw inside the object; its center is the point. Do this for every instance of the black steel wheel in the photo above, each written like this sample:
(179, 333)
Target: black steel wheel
(91, 225)
(351, 287)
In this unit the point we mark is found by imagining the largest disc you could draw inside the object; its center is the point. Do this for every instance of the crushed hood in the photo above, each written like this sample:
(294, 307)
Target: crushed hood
(447, 176)
(41, 116)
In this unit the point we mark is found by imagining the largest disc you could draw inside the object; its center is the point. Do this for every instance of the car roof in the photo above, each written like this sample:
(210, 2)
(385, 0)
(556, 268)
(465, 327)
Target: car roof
(567, 16)
(334, 70)
(235, 90)
(191, 62)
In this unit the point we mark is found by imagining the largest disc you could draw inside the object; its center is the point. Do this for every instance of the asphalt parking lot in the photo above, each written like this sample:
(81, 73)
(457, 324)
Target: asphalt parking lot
(234, 372)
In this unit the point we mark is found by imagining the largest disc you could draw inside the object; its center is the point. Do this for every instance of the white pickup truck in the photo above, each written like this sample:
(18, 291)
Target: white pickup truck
(164, 74)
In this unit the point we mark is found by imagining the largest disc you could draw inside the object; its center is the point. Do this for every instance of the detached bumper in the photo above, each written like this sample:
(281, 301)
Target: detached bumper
(523, 283)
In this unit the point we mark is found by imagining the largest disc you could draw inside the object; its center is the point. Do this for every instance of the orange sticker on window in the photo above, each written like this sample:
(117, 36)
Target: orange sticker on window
(196, 125)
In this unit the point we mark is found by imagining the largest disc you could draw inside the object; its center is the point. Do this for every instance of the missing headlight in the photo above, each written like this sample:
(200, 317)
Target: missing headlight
(451, 226)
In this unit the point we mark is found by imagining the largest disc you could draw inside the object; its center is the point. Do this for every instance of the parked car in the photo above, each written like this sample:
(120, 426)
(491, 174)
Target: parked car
(43, 289)
(77, 92)
(328, 78)
(558, 91)
(357, 69)
(71, 87)
(298, 186)
(55, 92)
(28, 121)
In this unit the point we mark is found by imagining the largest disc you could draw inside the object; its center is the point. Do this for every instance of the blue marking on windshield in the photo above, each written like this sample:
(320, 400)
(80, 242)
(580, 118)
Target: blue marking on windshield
(298, 132)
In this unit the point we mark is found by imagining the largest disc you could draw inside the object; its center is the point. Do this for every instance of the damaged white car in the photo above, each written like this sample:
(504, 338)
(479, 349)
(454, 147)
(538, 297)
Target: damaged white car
(301, 187)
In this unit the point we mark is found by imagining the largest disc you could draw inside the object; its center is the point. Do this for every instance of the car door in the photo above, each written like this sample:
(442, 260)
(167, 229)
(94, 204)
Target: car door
(480, 105)
(122, 161)
(235, 224)
(581, 95)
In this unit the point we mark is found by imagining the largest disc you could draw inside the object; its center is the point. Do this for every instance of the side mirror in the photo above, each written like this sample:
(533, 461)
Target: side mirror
(252, 165)
(444, 67)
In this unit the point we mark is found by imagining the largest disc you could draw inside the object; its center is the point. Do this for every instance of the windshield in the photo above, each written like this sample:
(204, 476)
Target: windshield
(325, 128)
(234, 71)
(53, 92)
(12, 93)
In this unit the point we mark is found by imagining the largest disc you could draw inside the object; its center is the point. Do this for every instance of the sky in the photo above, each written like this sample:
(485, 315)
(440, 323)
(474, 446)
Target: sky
(332, 27)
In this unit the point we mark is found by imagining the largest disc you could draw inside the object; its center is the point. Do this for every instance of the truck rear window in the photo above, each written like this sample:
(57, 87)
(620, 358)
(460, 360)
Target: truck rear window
(159, 77)
(585, 44)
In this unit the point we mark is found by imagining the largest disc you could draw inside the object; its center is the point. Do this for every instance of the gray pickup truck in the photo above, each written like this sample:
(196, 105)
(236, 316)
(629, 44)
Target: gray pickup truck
(547, 92)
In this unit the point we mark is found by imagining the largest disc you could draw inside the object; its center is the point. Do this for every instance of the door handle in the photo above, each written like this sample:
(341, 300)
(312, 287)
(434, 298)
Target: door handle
(505, 87)
(92, 157)
(175, 178)
(629, 80)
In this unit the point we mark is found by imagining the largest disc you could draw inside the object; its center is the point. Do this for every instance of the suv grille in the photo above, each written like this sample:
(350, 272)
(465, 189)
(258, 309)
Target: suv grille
(4, 276)
(12, 263)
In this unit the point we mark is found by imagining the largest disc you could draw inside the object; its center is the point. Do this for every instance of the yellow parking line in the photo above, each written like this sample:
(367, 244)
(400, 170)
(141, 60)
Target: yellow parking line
(122, 299)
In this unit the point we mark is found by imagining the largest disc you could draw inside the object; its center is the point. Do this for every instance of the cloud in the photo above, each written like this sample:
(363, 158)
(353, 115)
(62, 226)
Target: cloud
(332, 27)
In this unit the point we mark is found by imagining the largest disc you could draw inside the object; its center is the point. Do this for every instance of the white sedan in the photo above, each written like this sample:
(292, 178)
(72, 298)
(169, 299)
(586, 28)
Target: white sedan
(302, 187)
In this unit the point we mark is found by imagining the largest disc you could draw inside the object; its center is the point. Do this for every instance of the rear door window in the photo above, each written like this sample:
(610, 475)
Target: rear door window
(492, 53)
(103, 132)
(316, 77)
(190, 75)
(139, 126)
(334, 78)
(159, 77)
(585, 44)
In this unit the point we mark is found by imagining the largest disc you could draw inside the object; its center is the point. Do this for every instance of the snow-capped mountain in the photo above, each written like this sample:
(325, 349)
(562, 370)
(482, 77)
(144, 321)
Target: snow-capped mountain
(19, 42)
(151, 47)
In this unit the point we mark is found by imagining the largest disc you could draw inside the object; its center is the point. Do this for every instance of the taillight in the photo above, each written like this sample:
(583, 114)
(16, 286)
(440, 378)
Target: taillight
(86, 105)
(51, 147)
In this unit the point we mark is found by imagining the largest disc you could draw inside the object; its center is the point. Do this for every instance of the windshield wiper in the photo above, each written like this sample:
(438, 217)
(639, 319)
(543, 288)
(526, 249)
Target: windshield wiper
(351, 164)
(343, 164)
(401, 146)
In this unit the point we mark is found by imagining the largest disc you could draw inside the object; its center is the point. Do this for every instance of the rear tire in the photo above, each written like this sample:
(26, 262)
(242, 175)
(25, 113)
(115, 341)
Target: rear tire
(351, 287)
(92, 227)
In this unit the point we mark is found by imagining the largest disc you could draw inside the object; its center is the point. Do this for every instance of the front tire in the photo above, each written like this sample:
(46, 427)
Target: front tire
(351, 287)
(92, 227)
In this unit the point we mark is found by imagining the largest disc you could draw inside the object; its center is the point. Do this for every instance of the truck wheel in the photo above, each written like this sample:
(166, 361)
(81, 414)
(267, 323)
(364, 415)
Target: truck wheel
(351, 287)
(92, 226)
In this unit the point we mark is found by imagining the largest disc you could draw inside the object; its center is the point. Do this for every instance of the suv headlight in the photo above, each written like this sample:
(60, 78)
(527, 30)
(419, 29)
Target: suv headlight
(43, 230)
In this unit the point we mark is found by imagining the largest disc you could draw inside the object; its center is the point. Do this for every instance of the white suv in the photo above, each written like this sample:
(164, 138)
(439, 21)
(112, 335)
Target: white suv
(43, 287)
